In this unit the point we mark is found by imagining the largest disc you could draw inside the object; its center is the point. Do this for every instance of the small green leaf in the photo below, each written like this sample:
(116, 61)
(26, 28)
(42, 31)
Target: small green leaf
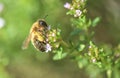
(89, 23)
(81, 47)
(95, 21)
(71, 12)
(99, 64)
(59, 54)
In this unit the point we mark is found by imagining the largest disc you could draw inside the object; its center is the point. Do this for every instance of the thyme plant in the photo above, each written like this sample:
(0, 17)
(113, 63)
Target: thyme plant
(95, 58)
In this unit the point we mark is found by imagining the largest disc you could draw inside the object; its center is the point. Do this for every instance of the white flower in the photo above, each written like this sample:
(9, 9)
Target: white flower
(48, 48)
(94, 60)
(77, 13)
(2, 22)
(1, 7)
(67, 5)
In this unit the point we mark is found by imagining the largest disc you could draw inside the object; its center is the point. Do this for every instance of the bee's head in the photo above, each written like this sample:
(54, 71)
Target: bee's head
(42, 23)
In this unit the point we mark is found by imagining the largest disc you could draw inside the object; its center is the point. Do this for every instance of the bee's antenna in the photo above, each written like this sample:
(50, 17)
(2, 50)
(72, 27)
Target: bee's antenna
(45, 16)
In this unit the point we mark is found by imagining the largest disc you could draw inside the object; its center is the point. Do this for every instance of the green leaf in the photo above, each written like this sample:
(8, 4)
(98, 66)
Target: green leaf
(81, 47)
(95, 21)
(59, 54)
(99, 64)
(89, 23)
(71, 12)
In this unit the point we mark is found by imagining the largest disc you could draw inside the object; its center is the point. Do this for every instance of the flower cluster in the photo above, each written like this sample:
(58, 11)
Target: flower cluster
(75, 7)
(93, 52)
(53, 38)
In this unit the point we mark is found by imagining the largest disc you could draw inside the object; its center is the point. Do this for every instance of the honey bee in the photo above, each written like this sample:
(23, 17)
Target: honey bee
(38, 35)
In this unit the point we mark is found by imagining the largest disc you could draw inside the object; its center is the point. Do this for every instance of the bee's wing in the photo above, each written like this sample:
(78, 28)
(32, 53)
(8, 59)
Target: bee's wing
(26, 42)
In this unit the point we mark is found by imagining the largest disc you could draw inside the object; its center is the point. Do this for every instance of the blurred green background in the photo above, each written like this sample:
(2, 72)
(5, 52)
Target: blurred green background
(17, 17)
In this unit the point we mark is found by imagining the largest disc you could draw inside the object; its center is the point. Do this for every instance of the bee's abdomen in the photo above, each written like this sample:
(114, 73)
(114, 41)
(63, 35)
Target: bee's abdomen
(40, 45)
